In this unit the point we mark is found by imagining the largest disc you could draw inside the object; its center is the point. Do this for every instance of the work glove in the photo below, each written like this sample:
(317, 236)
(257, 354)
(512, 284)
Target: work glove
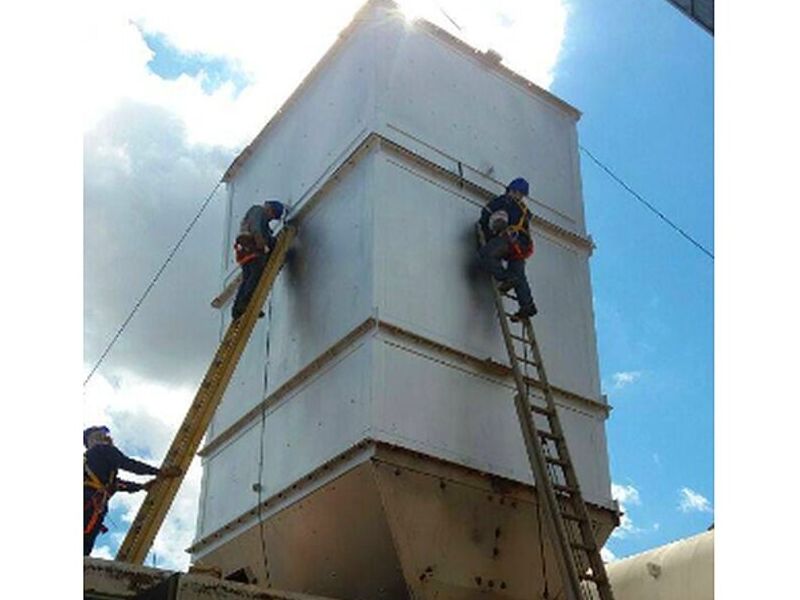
(498, 221)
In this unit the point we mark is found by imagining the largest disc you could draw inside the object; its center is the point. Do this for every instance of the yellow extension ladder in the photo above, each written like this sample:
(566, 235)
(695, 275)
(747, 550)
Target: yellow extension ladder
(576, 550)
(159, 498)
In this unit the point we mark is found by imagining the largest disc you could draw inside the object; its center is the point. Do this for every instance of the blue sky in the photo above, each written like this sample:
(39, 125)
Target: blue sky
(642, 74)
(169, 62)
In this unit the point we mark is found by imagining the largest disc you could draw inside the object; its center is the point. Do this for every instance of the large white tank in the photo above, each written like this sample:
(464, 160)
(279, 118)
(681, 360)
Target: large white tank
(682, 570)
(368, 444)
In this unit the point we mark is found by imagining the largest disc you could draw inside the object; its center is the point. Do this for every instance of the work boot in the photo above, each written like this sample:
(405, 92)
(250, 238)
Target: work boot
(525, 312)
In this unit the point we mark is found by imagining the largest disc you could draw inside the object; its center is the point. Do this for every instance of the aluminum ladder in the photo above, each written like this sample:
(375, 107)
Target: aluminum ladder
(159, 498)
(577, 553)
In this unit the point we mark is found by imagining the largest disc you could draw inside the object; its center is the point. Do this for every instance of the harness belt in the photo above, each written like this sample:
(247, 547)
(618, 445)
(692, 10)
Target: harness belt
(99, 499)
(520, 251)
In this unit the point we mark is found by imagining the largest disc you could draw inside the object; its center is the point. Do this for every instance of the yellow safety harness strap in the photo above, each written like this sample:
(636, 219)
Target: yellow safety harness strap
(93, 481)
(522, 224)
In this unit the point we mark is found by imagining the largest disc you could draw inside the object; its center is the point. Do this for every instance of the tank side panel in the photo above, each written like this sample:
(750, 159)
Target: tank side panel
(326, 287)
(431, 404)
(322, 418)
(427, 281)
(320, 125)
(482, 119)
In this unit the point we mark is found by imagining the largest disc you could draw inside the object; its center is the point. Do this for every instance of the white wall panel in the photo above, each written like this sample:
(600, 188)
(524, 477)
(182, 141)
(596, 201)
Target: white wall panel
(321, 419)
(459, 416)
(427, 243)
(450, 101)
(325, 289)
(334, 109)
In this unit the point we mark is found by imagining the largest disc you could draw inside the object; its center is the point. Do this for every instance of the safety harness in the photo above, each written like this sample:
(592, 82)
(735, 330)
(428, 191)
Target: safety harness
(99, 499)
(246, 248)
(516, 231)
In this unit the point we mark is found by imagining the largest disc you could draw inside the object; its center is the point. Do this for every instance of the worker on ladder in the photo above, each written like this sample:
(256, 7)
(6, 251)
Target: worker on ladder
(505, 223)
(252, 247)
(101, 462)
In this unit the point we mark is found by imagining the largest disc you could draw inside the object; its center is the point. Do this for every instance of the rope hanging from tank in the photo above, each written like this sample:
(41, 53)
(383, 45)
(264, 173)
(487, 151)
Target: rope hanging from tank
(261, 457)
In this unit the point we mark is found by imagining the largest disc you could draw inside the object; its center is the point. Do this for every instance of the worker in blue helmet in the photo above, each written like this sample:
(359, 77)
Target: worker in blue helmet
(253, 245)
(505, 223)
(101, 461)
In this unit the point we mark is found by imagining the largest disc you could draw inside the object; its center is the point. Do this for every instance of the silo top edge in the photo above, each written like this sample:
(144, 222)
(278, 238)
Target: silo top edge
(438, 32)
(495, 65)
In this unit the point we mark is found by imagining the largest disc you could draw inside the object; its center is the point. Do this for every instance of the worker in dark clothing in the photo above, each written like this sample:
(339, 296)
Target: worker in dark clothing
(505, 223)
(101, 462)
(253, 245)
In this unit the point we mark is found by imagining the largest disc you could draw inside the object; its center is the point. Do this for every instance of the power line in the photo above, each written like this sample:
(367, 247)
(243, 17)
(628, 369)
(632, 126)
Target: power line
(152, 283)
(646, 203)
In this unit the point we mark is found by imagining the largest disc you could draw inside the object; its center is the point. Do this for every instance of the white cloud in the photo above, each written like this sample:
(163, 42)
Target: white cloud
(691, 501)
(623, 378)
(607, 555)
(626, 495)
(275, 45)
(102, 552)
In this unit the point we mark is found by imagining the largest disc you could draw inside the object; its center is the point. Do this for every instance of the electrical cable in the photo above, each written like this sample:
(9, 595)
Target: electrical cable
(152, 283)
(645, 202)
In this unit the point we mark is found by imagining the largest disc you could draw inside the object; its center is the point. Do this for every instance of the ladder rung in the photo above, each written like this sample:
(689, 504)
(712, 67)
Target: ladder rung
(584, 547)
(564, 488)
(549, 436)
(525, 360)
(541, 410)
(571, 517)
(519, 337)
(557, 461)
(592, 577)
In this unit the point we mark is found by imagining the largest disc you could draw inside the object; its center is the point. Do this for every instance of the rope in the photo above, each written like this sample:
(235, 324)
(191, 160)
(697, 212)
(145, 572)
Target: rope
(261, 453)
(646, 203)
(152, 283)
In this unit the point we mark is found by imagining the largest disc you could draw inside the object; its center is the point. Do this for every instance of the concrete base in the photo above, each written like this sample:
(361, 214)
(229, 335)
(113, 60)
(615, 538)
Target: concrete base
(112, 580)
(402, 525)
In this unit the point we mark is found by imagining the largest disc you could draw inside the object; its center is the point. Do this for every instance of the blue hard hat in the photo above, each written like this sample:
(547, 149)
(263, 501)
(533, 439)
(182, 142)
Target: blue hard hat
(277, 208)
(519, 185)
(90, 430)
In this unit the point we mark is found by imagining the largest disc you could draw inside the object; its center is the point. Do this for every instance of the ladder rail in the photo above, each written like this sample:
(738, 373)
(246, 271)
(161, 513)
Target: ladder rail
(158, 501)
(577, 585)
(577, 503)
(530, 436)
